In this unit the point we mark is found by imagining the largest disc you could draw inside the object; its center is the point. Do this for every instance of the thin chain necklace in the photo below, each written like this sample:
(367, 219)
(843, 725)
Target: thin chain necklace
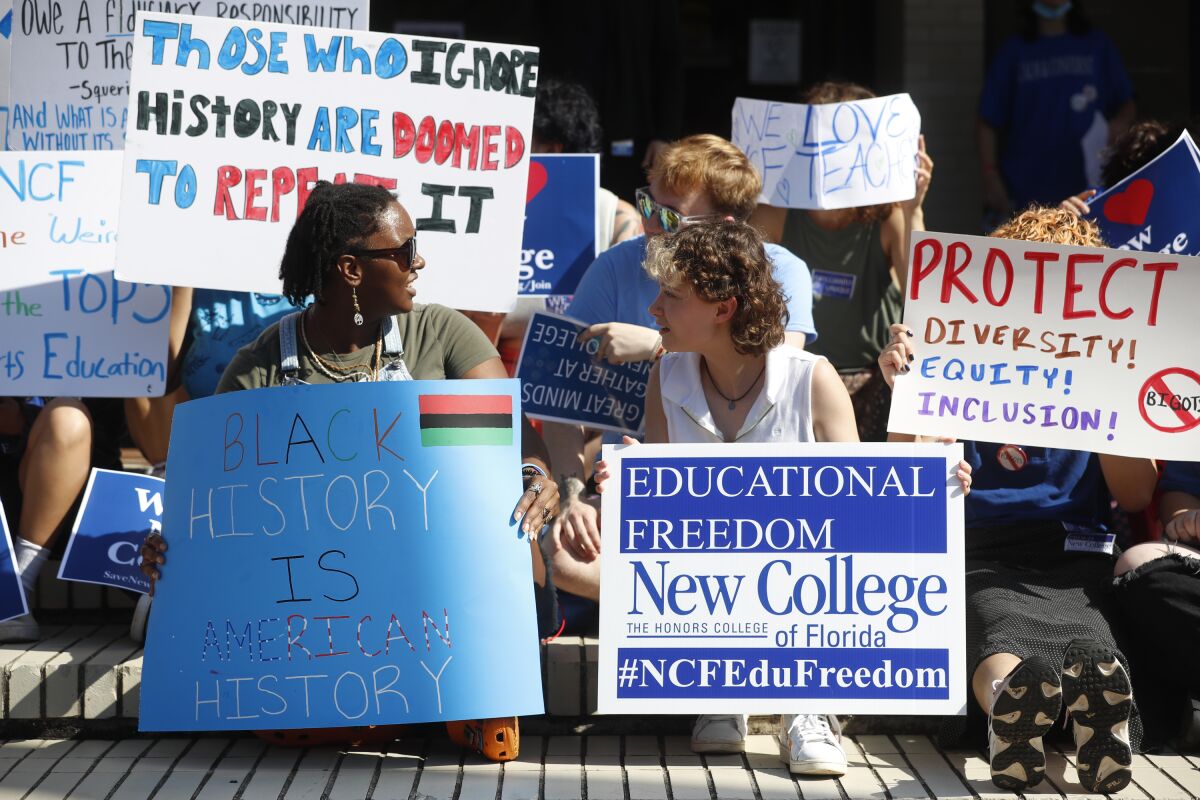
(331, 370)
(733, 401)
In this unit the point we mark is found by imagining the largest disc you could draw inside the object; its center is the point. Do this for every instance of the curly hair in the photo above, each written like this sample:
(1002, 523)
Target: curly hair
(1051, 225)
(565, 113)
(335, 217)
(1137, 147)
(721, 261)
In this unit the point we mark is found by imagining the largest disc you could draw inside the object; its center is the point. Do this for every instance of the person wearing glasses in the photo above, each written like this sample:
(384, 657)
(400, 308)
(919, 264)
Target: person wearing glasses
(353, 249)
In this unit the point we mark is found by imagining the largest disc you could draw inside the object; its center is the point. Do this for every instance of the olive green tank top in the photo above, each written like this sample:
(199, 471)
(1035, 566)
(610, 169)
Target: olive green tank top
(854, 296)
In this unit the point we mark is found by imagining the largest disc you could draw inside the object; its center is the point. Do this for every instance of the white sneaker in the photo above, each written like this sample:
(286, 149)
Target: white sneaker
(810, 744)
(20, 629)
(719, 733)
(141, 616)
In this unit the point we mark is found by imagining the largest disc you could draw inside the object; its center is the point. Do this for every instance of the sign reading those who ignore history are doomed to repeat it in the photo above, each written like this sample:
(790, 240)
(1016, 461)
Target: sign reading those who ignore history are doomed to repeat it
(118, 510)
(336, 560)
(1069, 347)
(834, 155)
(231, 125)
(765, 579)
(70, 327)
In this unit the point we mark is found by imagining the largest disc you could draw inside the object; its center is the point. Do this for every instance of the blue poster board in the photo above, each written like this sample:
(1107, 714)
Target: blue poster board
(117, 512)
(343, 555)
(1154, 209)
(560, 224)
(12, 595)
(561, 380)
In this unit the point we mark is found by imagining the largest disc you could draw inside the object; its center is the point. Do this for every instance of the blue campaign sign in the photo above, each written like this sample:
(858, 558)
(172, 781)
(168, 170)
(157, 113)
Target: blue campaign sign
(341, 556)
(561, 380)
(12, 595)
(560, 224)
(782, 578)
(117, 512)
(1153, 210)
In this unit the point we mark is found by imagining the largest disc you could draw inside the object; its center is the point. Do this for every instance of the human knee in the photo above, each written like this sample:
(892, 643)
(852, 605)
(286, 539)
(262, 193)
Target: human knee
(1138, 555)
(65, 425)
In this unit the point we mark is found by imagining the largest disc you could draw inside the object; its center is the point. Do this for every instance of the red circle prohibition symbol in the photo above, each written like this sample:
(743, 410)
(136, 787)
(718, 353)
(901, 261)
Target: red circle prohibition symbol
(1158, 384)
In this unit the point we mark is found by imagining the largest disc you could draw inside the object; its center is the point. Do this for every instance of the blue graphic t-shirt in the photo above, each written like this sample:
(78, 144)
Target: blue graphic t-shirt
(1181, 476)
(222, 323)
(1049, 97)
(1012, 484)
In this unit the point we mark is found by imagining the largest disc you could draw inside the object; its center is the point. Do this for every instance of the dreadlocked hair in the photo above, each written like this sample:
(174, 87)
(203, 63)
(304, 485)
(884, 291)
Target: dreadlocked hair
(720, 261)
(335, 217)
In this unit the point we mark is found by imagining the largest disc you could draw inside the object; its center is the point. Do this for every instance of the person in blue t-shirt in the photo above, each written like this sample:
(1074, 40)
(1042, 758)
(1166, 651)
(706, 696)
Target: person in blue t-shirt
(1039, 563)
(1052, 100)
(698, 179)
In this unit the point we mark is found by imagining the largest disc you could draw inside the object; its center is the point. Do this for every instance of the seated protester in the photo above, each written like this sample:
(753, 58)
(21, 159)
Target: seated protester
(48, 447)
(1142, 143)
(698, 179)
(859, 262)
(351, 237)
(729, 377)
(1038, 578)
(1158, 595)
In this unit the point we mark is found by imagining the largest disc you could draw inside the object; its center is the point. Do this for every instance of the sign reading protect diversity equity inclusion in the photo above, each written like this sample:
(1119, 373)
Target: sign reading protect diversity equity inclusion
(835, 155)
(70, 89)
(232, 124)
(1069, 347)
(70, 328)
(768, 579)
(336, 560)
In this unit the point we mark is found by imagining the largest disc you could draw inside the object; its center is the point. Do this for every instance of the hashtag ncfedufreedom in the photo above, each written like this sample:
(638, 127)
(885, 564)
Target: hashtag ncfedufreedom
(627, 673)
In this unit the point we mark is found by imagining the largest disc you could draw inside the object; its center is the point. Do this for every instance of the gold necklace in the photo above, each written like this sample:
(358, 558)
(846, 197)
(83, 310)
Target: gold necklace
(328, 368)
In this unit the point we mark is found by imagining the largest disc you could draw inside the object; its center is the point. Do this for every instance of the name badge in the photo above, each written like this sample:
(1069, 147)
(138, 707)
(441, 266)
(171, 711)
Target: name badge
(1090, 543)
(622, 148)
(833, 284)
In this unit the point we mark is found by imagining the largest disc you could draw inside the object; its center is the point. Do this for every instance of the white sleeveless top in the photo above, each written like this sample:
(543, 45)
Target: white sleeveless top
(781, 413)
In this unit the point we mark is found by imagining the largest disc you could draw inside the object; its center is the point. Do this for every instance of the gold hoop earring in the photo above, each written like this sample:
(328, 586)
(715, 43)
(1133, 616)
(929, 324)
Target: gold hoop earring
(358, 317)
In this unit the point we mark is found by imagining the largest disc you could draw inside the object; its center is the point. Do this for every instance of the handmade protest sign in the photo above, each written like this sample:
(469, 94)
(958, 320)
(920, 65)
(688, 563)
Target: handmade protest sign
(1152, 209)
(6, 15)
(118, 511)
(835, 155)
(232, 125)
(1069, 347)
(561, 228)
(798, 578)
(562, 381)
(343, 555)
(70, 327)
(12, 594)
(77, 95)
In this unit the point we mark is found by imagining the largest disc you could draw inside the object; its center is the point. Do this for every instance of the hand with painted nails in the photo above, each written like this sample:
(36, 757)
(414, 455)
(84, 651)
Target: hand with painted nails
(898, 356)
(538, 505)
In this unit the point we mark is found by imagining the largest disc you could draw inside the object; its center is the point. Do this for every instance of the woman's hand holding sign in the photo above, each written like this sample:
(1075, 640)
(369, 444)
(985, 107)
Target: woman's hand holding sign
(152, 552)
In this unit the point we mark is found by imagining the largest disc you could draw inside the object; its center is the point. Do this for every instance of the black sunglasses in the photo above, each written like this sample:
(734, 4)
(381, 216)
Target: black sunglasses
(403, 256)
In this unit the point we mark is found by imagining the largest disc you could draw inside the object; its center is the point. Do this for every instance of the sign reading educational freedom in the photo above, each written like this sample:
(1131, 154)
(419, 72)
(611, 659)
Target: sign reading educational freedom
(118, 511)
(560, 223)
(766, 579)
(835, 155)
(343, 555)
(70, 327)
(232, 124)
(562, 381)
(71, 89)
(1153, 210)
(1069, 347)
(12, 595)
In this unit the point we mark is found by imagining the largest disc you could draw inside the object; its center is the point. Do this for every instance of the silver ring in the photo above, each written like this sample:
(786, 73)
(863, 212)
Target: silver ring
(536, 488)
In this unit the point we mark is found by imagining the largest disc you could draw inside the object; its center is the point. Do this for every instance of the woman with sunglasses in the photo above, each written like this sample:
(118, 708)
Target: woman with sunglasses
(354, 250)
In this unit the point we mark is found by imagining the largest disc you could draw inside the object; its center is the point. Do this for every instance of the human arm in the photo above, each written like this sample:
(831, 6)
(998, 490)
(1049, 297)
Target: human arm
(832, 411)
(769, 222)
(627, 224)
(995, 193)
(1131, 481)
(656, 425)
(621, 342)
(1180, 512)
(906, 217)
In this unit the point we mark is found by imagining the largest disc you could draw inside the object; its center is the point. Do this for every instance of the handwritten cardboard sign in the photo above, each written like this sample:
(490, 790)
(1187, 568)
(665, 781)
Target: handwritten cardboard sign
(793, 578)
(118, 511)
(70, 327)
(336, 558)
(1068, 347)
(1152, 210)
(835, 155)
(12, 594)
(561, 228)
(233, 124)
(561, 380)
(70, 90)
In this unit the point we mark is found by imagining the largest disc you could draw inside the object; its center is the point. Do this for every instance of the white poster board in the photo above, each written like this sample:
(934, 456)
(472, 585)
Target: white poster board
(1066, 347)
(69, 327)
(6, 16)
(76, 96)
(446, 124)
(836, 155)
(777, 579)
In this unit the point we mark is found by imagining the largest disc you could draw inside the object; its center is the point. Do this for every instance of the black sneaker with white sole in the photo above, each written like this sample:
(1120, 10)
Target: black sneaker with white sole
(1025, 707)
(1099, 699)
